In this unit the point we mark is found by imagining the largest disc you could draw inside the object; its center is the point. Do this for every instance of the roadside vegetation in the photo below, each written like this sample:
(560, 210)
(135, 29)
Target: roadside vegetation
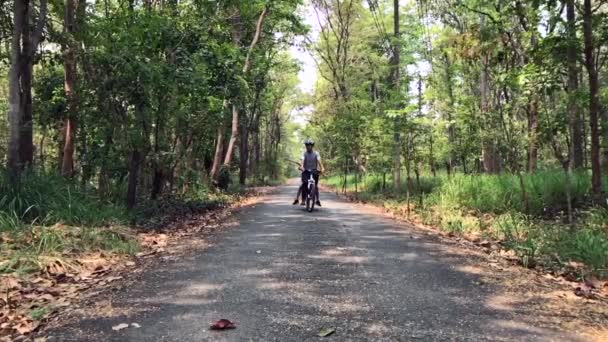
(483, 118)
(491, 208)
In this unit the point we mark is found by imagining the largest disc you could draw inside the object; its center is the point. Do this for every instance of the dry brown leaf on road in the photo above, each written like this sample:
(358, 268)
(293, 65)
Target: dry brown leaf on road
(223, 324)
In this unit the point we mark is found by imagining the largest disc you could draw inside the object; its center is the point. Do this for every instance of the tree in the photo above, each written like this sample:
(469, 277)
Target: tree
(24, 42)
(594, 103)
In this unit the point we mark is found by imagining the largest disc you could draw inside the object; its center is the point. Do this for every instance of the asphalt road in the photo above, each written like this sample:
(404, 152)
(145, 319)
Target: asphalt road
(283, 274)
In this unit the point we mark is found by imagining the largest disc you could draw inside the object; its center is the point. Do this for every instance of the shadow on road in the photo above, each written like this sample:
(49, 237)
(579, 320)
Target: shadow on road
(283, 274)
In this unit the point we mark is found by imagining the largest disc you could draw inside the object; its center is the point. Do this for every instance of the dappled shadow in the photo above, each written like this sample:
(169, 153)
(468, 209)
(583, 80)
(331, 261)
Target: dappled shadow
(285, 273)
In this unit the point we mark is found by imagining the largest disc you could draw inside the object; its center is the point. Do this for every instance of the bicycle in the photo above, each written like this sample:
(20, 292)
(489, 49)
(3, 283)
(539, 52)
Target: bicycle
(311, 193)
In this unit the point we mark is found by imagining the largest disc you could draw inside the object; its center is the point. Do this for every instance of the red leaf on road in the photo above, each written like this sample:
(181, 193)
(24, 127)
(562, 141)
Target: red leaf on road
(223, 324)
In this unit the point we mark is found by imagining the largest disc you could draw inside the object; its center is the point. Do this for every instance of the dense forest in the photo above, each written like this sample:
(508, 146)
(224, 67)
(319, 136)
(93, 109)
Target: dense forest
(478, 116)
(138, 99)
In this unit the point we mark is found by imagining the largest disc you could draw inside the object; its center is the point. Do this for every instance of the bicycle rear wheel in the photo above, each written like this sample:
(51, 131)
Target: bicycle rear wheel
(310, 198)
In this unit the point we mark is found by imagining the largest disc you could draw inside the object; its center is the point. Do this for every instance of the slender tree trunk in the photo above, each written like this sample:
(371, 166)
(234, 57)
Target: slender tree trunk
(158, 167)
(432, 154)
(15, 93)
(255, 165)
(41, 152)
(594, 105)
(244, 154)
(24, 42)
(576, 120)
(533, 126)
(233, 136)
(246, 67)
(396, 84)
(26, 141)
(451, 101)
(491, 161)
(219, 148)
(133, 178)
(67, 165)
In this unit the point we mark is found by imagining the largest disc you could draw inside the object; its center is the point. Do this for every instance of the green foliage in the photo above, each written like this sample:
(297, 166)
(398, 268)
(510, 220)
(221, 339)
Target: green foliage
(47, 199)
(490, 205)
(502, 193)
(589, 246)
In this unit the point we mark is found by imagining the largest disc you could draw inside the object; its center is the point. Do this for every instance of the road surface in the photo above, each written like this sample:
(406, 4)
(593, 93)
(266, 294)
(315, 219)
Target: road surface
(284, 274)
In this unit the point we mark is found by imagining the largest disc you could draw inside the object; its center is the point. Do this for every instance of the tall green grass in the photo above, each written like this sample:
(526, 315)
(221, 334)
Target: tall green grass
(546, 192)
(46, 199)
(48, 219)
(497, 194)
(494, 206)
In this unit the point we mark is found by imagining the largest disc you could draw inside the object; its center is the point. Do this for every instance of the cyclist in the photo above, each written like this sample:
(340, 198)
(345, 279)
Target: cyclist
(311, 160)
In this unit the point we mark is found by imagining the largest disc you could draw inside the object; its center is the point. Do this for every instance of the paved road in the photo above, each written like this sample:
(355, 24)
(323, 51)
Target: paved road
(283, 274)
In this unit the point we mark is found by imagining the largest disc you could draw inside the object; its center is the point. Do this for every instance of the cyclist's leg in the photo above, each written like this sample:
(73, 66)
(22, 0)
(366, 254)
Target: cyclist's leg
(297, 199)
(305, 176)
(300, 189)
(316, 176)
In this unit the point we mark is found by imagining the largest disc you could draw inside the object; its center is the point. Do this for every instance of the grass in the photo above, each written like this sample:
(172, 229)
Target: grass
(47, 199)
(48, 219)
(492, 206)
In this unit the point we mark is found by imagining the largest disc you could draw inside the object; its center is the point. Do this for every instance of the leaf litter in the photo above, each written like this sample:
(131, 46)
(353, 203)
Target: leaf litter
(68, 278)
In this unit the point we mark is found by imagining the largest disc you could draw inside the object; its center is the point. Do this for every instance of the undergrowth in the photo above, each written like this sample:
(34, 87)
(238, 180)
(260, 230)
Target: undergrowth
(48, 219)
(493, 207)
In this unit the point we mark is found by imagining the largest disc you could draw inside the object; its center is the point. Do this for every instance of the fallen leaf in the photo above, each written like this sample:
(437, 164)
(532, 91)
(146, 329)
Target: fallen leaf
(108, 279)
(9, 283)
(135, 325)
(26, 326)
(594, 282)
(145, 254)
(223, 324)
(258, 252)
(120, 327)
(484, 243)
(326, 332)
(584, 291)
(130, 263)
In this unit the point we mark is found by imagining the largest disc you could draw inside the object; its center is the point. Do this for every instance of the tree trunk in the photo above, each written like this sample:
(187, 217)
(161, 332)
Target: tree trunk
(158, 180)
(451, 126)
(133, 178)
(23, 46)
(244, 154)
(67, 165)
(576, 120)
(533, 126)
(255, 162)
(219, 148)
(594, 105)
(491, 162)
(233, 136)
(26, 141)
(432, 155)
(246, 67)
(15, 98)
(396, 83)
